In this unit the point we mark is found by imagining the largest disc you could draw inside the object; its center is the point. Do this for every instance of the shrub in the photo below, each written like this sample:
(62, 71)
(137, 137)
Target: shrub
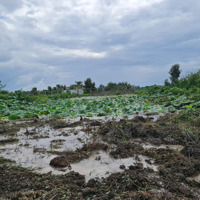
(177, 91)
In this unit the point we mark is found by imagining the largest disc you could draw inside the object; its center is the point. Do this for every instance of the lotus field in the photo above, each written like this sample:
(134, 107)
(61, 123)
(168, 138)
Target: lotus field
(95, 106)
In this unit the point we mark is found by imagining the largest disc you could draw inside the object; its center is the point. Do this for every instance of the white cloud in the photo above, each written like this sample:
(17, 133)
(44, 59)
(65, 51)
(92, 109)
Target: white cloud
(82, 53)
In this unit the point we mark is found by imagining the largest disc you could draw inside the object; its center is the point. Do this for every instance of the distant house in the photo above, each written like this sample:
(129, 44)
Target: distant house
(80, 91)
(73, 91)
(76, 91)
(66, 89)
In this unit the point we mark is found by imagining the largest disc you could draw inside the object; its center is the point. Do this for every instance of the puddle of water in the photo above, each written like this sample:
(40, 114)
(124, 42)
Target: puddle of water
(34, 143)
(163, 146)
(32, 151)
(44, 137)
(23, 122)
(196, 178)
(4, 137)
(100, 164)
(25, 157)
(175, 147)
(128, 117)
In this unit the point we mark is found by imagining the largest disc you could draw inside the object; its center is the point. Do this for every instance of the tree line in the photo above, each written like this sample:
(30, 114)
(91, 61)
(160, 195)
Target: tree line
(88, 86)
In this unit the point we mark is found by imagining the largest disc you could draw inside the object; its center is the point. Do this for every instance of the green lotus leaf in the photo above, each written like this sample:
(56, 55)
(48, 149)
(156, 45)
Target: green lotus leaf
(89, 115)
(14, 117)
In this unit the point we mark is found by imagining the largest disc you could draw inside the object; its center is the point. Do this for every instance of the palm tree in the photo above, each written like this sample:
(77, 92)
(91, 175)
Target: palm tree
(79, 84)
(58, 88)
(50, 89)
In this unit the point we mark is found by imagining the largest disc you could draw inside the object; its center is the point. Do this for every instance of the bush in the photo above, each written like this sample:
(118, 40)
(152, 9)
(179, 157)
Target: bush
(4, 92)
(22, 96)
(4, 96)
(193, 89)
(191, 80)
(177, 91)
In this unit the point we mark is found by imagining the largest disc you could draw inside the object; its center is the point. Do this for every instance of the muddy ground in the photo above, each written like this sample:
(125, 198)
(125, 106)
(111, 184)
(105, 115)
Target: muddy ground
(165, 160)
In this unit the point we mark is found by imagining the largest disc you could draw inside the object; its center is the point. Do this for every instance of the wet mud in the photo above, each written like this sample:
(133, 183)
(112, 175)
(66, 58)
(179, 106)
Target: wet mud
(66, 158)
(128, 158)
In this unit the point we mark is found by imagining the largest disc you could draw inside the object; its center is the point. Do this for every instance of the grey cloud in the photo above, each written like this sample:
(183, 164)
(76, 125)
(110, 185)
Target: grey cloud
(105, 40)
(10, 5)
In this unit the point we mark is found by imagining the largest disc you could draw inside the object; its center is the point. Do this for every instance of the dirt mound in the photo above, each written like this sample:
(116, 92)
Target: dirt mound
(94, 147)
(57, 123)
(69, 157)
(172, 162)
(61, 161)
(125, 150)
(162, 131)
(192, 151)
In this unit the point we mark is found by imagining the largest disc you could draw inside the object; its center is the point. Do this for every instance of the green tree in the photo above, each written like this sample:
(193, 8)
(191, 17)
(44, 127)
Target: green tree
(89, 85)
(101, 88)
(72, 87)
(58, 88)
(54, 90)
(174, 73)
(2, 86)
(167, 83)
(49, 89)
(64, 87)
(124, 86)
(79, 84)
(111, 86)
(34, 91)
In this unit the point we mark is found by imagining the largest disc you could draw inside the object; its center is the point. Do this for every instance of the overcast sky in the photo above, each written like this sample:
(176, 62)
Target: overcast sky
(52, 42)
